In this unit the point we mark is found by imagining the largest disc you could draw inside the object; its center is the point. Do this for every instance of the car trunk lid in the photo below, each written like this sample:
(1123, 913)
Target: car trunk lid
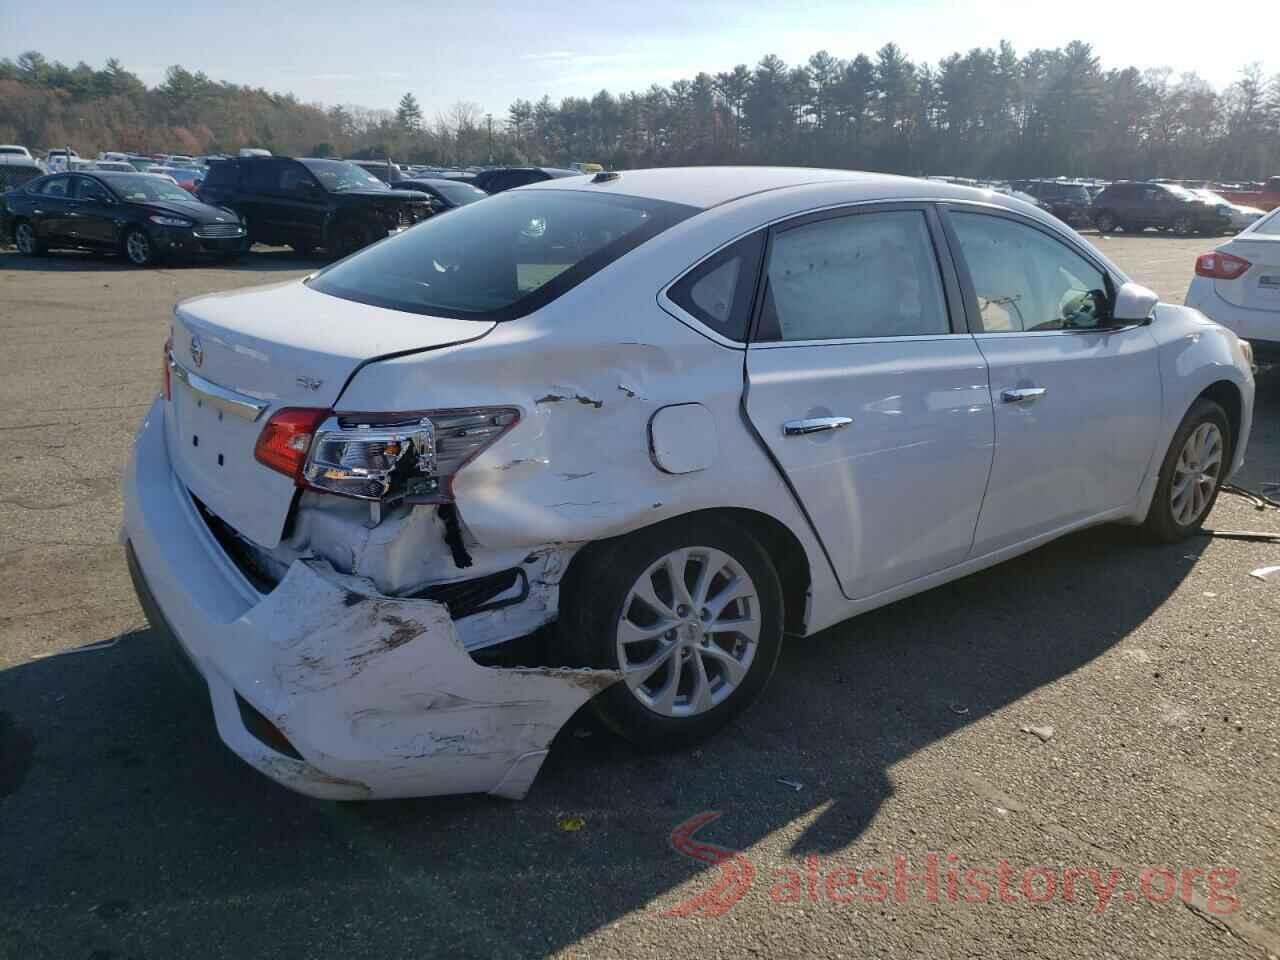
(243, 356)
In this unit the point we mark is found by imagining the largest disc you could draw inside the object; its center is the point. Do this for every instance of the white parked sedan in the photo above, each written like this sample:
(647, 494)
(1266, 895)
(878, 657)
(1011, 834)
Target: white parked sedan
(629, 430)
(1238, 285)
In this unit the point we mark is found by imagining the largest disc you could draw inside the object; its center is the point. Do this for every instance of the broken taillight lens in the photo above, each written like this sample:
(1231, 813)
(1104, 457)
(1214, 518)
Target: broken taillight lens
(381, 456)
(286, 439)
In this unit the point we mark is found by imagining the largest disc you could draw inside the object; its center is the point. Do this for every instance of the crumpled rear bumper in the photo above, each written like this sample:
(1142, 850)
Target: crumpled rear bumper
(376, 694)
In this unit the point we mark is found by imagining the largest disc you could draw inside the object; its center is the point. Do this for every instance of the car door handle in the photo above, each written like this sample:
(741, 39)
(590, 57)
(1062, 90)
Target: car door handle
(1022, 394)
(798, 428)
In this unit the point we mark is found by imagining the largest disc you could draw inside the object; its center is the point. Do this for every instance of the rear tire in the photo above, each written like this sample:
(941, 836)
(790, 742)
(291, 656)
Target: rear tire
(1105, 222)
(691, 611)
(1192, 473)
(28, 244)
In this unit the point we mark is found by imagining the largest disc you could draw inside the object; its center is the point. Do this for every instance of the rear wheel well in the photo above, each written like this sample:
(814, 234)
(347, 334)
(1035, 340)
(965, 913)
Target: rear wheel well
(1227, 395)
(782, 546)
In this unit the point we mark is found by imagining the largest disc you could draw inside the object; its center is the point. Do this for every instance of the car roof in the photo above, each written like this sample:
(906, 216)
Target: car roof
(706, 187)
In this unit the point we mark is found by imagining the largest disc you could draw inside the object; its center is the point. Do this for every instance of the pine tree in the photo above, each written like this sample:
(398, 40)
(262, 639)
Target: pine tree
(408, 113)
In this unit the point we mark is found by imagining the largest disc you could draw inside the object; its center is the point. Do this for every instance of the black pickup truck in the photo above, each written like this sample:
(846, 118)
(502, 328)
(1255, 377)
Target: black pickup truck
(308, 203)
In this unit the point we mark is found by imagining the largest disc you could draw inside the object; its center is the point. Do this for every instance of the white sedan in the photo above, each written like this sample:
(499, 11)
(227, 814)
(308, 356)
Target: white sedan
(1238, 285)
(630, 430)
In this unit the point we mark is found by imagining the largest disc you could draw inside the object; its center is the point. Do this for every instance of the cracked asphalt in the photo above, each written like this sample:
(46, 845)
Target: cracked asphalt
(127, 831)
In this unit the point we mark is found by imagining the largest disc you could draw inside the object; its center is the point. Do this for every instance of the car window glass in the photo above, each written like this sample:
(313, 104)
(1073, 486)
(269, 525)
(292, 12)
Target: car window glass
(867, 275)
(1269, 226)
(90, 190)
(263, 175)
(293, 178)
(1025, 280)
(718, 291)
(502, 258)
(55, 187)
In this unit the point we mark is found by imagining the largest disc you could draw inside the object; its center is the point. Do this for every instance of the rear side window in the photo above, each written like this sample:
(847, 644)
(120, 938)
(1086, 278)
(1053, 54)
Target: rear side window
(500, 259)
(56, 187)
(263, 176)
(864, 275)
(719, 290)
(224, 173)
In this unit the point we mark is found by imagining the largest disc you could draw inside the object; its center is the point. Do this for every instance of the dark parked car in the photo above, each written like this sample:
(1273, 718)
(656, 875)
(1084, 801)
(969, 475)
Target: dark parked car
(1133, 206)
(143, 217)
(311, 203)
(1069, 202)
(495, 181)
(444, 194)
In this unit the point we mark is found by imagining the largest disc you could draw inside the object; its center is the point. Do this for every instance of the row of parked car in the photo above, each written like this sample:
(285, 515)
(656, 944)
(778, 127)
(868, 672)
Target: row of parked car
(1137, 205)
(222, 208)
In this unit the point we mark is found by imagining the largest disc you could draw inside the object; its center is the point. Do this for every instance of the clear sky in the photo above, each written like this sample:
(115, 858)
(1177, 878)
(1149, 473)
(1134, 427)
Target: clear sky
(369, 52)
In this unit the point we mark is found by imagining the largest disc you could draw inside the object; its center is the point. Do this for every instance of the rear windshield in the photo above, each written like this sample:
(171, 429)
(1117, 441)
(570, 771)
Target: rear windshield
(500, 259)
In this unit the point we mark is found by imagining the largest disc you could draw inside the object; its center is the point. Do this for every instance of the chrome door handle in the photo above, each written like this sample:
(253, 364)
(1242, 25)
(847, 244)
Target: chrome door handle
(1022, 394)
(798, 428)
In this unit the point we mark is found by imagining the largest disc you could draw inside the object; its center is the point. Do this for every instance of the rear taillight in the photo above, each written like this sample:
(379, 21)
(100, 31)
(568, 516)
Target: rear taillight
(285, 440)
(401, 456)
(165, 382)
(1221, 266)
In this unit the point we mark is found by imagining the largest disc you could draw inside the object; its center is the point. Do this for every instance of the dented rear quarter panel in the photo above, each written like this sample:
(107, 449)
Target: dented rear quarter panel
(588, 372)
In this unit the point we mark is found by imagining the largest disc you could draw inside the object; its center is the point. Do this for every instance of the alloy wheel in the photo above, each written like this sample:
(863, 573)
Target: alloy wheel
(689, 631)
(138, 248)
(25, 238)
(1195, 475)
(1183, 226)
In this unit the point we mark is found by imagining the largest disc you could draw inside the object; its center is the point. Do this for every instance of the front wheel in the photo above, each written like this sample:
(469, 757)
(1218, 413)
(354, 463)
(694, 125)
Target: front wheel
(1192, 473)
(138, 248)
(1105, 222)
(29, 245)
(689, 612)
(1183, 225)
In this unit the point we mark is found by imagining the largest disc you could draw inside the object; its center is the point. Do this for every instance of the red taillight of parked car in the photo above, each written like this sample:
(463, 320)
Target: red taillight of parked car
(286, 438)
(165, 382)
(1221, 266)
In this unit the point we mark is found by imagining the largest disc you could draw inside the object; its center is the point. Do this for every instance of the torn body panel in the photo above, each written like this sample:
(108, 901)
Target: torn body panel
(377, 694)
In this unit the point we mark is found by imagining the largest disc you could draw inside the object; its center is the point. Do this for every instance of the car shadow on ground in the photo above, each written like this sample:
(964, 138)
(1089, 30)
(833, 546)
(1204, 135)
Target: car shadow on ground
(126, 828)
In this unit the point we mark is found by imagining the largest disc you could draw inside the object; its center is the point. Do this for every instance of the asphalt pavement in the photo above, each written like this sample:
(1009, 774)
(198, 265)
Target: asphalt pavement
(1102, 704)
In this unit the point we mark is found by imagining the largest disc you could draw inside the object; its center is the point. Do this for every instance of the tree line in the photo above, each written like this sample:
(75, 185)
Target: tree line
(989, 112)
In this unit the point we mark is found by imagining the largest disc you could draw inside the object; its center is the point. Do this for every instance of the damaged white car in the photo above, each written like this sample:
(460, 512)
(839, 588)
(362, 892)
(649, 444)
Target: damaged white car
(610, 439)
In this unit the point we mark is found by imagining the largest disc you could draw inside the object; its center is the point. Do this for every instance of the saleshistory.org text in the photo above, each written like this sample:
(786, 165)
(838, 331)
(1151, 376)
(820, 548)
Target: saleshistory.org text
(940, 877)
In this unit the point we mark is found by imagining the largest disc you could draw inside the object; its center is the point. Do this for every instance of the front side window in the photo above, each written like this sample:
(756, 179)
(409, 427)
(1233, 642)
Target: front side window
(500, 259)
(90, 190)
(1025, 280)
(865, 275)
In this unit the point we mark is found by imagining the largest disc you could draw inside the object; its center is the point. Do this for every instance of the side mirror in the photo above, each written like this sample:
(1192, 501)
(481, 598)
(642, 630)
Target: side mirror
(1134, 304)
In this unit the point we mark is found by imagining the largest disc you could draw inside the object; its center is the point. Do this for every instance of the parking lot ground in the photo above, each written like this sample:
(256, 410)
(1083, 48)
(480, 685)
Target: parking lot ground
(128, 831)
